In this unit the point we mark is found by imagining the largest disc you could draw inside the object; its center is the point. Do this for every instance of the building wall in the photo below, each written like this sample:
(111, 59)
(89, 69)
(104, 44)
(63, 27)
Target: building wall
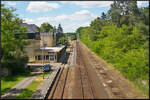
(56, 56)
(46, 60)
(50, 41)
(34, 44)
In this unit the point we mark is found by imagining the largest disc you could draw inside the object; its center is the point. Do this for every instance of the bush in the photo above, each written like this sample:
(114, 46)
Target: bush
(125, 47)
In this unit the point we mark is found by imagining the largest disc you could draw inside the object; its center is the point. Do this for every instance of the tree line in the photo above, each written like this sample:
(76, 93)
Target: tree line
(120, 36)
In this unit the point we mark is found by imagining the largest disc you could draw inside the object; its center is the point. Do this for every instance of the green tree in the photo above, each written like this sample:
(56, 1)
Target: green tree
(96, 25)
(103, 17)
(115, 12)
(122, 40)
(46, 27)
(12, 43)
(63, 41)
(59, 33)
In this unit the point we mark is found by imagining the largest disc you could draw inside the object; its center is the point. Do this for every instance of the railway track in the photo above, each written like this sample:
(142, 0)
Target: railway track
(88, 83)
(112, 85)
(87, 91)
(58, 88)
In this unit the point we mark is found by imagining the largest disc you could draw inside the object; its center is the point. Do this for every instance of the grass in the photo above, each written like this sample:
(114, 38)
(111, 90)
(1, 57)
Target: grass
(28, 92)
(141, 86)
(8, 82)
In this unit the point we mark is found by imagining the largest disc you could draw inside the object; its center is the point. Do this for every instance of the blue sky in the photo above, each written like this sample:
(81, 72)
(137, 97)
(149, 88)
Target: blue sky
(70, 14)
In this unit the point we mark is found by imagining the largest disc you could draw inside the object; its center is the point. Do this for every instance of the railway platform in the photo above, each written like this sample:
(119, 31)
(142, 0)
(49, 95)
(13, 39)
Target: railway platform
(44, 88)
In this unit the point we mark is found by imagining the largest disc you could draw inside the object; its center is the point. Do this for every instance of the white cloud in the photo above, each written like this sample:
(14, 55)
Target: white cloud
(11, 3)
(41, 6)
(81, 15)
(73, 27)
(70, 22)
(89, 4)
(139, 3)
(28, 20)
(94, 4)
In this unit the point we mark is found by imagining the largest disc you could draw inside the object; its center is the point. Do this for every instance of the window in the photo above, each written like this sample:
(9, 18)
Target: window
(47, 57)
(36, 57)
(51, 57)
(39, 57)
(50, 52)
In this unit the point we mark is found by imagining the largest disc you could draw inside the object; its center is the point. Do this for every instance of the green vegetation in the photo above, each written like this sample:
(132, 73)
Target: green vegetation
(13, 55)
(63, 41)
(59, 34)
(27, 93)
(46, 27)
(10, 81)
(73, 36)
(121, 38)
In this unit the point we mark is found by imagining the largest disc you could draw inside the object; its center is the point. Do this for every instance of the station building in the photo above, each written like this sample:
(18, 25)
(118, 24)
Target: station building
(51, 54)
(42, 42)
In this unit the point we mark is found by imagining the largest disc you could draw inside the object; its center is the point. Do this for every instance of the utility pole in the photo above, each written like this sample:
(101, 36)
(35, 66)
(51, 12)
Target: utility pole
(43, 47)
(43, 56)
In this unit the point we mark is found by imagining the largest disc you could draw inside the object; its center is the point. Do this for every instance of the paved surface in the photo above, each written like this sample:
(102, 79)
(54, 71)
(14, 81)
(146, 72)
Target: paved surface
(74, 57)
(18, 88)
(43, 89)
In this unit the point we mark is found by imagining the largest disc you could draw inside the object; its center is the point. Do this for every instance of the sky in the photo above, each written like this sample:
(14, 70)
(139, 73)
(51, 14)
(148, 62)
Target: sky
(70, 14)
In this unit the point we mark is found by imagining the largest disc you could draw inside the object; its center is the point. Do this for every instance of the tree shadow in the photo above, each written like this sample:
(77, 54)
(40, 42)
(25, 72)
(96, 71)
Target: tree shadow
(14, 77)
(65, 59)
(37, 95)
(26, 94)
(34, 74)
(11, 94)
(4, 90)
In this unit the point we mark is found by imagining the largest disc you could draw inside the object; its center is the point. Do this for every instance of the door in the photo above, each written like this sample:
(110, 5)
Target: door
(52, 58)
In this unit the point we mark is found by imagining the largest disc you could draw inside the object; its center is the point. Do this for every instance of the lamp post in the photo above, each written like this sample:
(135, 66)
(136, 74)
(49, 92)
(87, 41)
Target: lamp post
(43, 47)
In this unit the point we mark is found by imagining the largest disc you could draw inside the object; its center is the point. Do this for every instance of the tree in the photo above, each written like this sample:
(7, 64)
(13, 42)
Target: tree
(59, 33)
(115, 12)
(60, 30)
(103, 17)
(12, 44)
(124, 12)
(96, 25)
(63, 41)
(122, 40)
(46, 27)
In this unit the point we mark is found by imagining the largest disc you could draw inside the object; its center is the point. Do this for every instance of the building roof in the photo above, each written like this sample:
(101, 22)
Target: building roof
(32, 31)
(51, 49)
(31, 28)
